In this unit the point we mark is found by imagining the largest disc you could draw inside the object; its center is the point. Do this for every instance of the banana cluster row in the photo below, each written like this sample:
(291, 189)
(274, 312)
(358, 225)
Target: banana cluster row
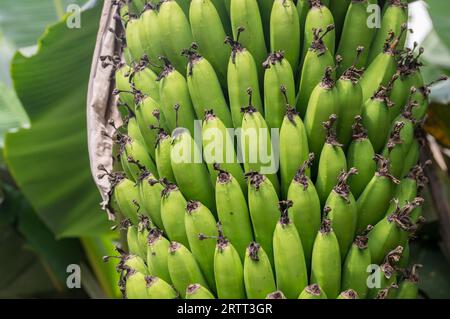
(206, 218)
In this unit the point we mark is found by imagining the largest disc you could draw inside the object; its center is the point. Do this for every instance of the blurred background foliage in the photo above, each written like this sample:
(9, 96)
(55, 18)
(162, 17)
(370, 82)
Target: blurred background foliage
(49, 206)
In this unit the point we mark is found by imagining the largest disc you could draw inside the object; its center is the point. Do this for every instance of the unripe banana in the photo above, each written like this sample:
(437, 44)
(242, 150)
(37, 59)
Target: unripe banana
(187, 167)
(392, 231)
(200, 224)
(136, 286)
(398, 145)
(263, 206)
(265, 9)
(326, 260)
(197, 291)
(232, 210)
(360, 155)
(145, 81)
(383, 67)
(306, 210)
(354, 269)
(173, 205)
(258, 275)
(408, 288)
(134, 132)
(285, 31)
(321, 105)
(318, 17)
(375, 199)
(245, 14)
(150, 35)
(133, 262)
(332, 162)
(294, 149)
(133, 243)
(176, 101)
(258, 153)
(137, 156)
(209, 33)
(279, 88)
(157, 253)
(289, 260)
(422, 96)
(318, 57)
(395, 16)
(150, 197)
(312, 292)
(242, 74)
(204, 88)
(344, 212)
(375, 115)
(132, 35)
(356, 33)
(162, 156)
(183, 268)
(388, 276)
(175, 32)
(218, 149)
(149, 117)
(350, 101)
(125, 194)
(157, 288)
(123, 86)
(339, 10)
(184, 5)
(223, 9)
(228, 270)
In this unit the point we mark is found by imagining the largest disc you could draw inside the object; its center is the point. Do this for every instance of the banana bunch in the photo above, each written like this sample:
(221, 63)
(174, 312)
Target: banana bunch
(270, 149)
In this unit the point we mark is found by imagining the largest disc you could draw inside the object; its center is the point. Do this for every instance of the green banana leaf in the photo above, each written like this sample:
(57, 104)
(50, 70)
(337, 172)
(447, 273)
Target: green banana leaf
(49, 162)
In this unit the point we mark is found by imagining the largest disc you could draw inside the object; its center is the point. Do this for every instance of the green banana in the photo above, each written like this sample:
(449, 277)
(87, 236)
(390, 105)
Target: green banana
(332, 161)
(350, 101)
(312, 292)
(137, 157)
(355, 33)
(132, 262)
(258, 275)
(176, 101)
(318, 57)
(285, 31)
(398, 145)
(134, 246)
(144, 80)
(357, 261)
(258, 152)
(395, 16)
(150, 34)
(265, 9)
(344, 212)
(223, 10)
(150, 197)
(200, 224)
(294, 149)
(306, 210)
(125, 194)
(326, 253)
(183, 268)
(204, 87)
(392, 231)
(173, 205)
(383, 67)
(123, 86)
(159, 289)
(209, 33)
(162, 156)
(218, 148)
(242, 74)
(197, 291)
(375, 116)
(184, 5)
(187, 166)
(319, 16)
(422, 96)
(132, 35)
(375, 199)
(360, 155)
(279, 88)
(289, 260)
(245, 14)
(157, 253)
(263, 207)
(408, 288)
(322, 104)
(175, 32)
(228, 269)
(388, 276)
(136, 286)
(232, 210)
